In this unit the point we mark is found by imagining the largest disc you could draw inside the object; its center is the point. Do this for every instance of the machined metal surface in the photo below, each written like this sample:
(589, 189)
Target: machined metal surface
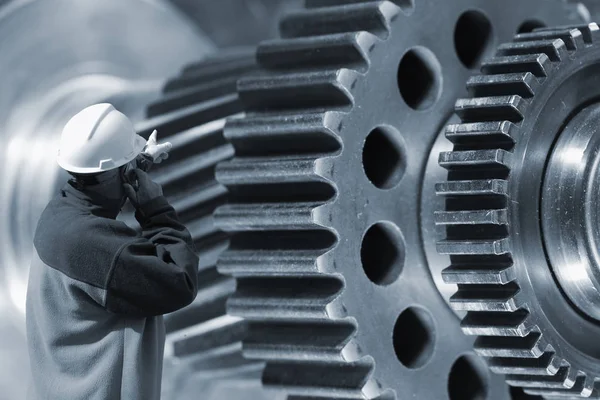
(520, 211)
(325, 207)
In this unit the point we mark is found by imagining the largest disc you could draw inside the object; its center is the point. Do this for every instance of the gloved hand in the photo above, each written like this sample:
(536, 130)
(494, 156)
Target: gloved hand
(158, 152)
(139, 188)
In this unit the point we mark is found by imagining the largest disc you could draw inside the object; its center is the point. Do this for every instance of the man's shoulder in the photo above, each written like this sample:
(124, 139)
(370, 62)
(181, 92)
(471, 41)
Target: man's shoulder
(82, 246)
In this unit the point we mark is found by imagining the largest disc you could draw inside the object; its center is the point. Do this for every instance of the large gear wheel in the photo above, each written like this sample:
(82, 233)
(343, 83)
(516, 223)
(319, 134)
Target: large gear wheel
(520, 213)
(331, 271)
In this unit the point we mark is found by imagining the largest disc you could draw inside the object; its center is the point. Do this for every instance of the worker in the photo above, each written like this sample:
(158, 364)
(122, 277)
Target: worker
(98, 289)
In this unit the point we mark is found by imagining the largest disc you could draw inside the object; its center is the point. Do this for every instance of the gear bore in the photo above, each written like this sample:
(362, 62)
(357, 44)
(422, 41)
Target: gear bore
(521, 212)
(331, 273)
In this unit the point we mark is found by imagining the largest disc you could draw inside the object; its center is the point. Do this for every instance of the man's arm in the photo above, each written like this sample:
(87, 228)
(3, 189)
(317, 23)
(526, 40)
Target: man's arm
(156, 273)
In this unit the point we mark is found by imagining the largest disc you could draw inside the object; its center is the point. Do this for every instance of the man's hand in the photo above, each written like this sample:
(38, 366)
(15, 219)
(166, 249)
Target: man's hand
(158, 152)
(145, 188)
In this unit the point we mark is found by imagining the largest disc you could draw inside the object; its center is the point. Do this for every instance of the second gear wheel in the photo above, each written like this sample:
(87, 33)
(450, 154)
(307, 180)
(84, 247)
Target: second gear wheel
(520, 209)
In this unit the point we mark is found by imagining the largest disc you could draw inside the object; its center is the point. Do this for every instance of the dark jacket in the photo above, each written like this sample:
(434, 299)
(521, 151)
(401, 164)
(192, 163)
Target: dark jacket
(97, 291)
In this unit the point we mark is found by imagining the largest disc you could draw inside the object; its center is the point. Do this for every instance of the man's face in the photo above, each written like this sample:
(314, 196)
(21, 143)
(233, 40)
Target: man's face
(110, 183)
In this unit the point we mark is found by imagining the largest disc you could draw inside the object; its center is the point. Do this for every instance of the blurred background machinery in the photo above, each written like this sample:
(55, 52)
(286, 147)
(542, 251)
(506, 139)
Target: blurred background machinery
(325, 299)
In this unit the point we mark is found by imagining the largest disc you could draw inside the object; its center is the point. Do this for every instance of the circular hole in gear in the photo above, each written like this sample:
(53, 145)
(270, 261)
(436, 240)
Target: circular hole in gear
(530, 25)
(382, 253)
(414, 337)
(419, 78)
(407, 6)
(472, 37)
(468, 379)
(383, 158)
(517, 393)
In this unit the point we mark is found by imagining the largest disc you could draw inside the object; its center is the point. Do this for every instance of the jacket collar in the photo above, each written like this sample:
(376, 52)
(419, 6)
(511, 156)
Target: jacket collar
(90, 201)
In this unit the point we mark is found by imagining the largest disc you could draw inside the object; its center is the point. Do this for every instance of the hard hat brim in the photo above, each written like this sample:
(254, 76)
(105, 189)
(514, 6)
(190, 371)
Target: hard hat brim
(139, 145)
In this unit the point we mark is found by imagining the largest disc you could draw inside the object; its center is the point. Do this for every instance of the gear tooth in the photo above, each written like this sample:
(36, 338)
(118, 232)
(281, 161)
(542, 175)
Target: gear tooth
(373, 17)
(348, 49)
(483, 109)
(219, 72)
(266, 216)
(292, 341)
(473, 247)
(284, 298)
(573, 38)
(480, 187)
(240, 172)
(497, 158)
(501, 274)
(547, 364)
(486, 298)
(331, 3)
(519, 83)
(555, 49)
(472, 217)
(529, 346)
(583, 387)
(590, 32)
(226, 61)
(190, 117)
(213, 292)
(496, 323)
(248, 263)
(563, 379)
(480, 134)
(304, 133)
(331, 380)
(307, 89)
(537, 64)
(220, 332)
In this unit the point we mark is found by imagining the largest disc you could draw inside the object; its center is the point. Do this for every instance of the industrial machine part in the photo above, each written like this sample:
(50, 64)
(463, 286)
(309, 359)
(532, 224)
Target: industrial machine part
(522, 211)
(334, 276)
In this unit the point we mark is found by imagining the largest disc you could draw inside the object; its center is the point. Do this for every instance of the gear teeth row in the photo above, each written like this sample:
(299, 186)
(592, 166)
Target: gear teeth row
(191, 115)
(582, 387)
(278, 180)
(476, 217)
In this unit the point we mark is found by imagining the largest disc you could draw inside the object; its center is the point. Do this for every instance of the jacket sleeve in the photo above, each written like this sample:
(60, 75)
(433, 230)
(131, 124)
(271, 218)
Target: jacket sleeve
(156, 273)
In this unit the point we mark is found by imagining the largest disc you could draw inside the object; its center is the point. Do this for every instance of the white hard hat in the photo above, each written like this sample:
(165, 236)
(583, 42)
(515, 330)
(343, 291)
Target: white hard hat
(98, 138)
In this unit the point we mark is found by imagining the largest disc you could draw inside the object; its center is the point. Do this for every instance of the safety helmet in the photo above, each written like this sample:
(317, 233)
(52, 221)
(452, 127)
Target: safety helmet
(97, 139)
